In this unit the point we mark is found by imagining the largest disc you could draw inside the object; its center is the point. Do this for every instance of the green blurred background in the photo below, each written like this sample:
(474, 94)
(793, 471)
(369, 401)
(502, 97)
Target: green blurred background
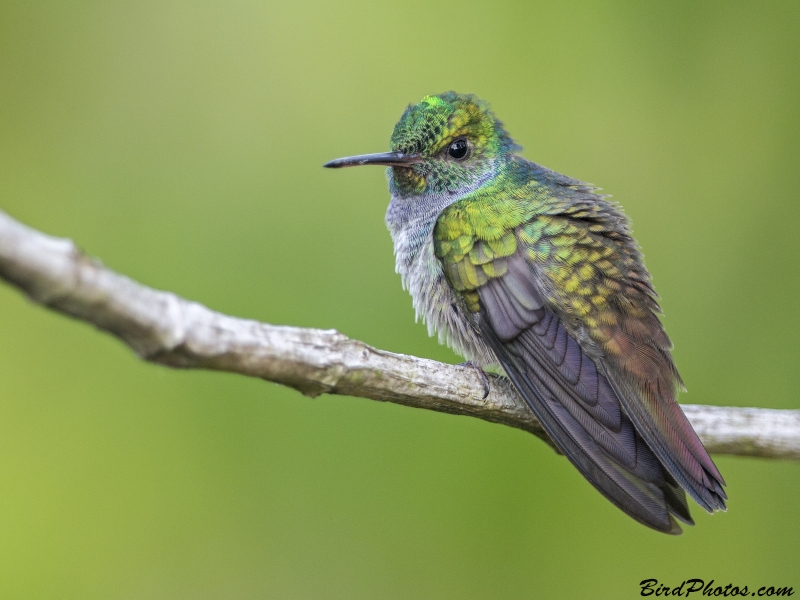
(182, 143)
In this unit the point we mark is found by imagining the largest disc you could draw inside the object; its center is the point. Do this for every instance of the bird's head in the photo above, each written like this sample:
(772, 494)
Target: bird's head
(446, 143)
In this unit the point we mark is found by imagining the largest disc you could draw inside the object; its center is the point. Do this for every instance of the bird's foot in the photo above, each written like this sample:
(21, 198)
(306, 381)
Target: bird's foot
(482, 374)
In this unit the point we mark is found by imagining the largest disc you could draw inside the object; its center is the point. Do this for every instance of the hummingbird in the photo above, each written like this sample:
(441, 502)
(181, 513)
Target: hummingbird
(517, 266)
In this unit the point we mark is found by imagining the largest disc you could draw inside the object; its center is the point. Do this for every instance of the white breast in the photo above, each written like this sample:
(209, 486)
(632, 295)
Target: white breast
(411, 222)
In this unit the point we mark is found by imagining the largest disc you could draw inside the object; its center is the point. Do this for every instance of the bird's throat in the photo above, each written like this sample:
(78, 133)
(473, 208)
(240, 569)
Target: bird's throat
(407, 181)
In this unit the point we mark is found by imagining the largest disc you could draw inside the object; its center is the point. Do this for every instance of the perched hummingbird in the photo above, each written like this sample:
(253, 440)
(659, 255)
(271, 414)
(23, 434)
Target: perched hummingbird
(518, 266)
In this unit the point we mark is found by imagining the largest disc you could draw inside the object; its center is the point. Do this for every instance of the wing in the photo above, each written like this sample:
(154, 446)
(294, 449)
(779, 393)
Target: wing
(564, 301)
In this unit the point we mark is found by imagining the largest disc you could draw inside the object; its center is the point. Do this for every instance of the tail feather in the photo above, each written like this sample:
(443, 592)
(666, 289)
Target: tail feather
(612, 456)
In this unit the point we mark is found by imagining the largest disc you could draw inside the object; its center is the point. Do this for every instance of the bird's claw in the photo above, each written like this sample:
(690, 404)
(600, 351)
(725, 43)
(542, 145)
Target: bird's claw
(482, 375)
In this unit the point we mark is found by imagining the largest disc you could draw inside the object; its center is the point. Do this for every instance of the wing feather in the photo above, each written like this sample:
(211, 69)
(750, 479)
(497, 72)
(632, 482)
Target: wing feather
(563, 299)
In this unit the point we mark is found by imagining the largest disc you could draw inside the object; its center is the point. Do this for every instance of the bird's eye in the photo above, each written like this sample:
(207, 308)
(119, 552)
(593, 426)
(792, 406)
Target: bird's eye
(458, 149)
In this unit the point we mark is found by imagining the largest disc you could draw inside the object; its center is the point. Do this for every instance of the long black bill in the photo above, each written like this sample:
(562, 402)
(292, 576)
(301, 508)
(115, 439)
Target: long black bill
(388, 159)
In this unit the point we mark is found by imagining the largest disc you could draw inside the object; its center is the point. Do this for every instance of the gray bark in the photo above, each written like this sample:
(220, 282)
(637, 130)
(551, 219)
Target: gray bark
(163, 328)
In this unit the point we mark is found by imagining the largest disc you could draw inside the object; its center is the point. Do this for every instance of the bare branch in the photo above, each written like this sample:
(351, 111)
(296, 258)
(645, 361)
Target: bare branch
(164, 328)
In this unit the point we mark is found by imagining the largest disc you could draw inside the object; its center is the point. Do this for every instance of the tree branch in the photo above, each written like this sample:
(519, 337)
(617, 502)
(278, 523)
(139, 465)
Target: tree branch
(166, 329)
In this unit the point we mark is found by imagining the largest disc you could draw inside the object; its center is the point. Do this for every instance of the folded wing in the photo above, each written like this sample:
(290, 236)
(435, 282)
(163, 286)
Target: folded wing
(612, 414)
